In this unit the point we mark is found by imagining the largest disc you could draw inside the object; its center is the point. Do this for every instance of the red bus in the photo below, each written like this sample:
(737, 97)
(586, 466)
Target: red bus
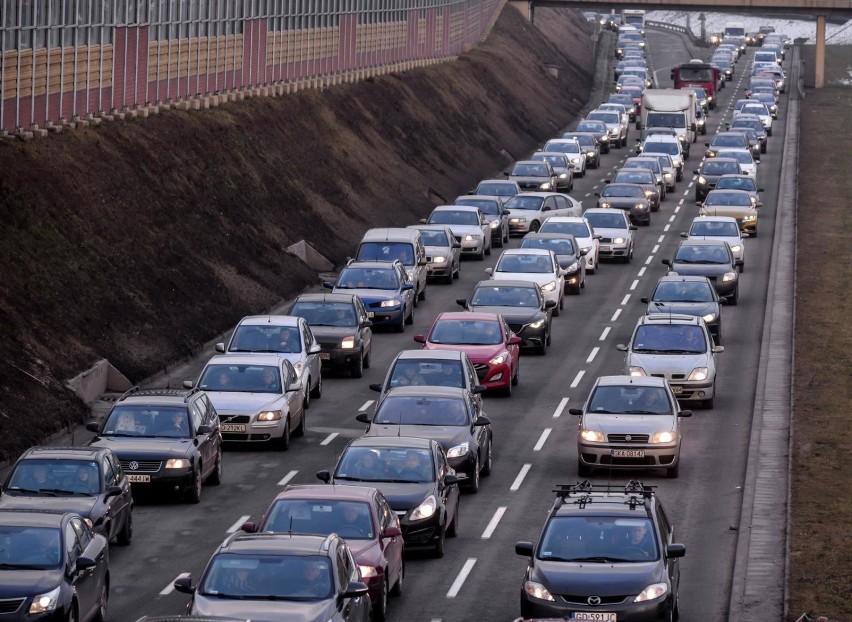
(697, 73)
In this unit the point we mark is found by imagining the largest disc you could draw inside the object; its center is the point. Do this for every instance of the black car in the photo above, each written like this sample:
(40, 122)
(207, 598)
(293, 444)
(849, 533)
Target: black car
(414, 476)
(83, 480)
(688, 295)
(710, 258)
(630, 198)
(341, 326)
(710, 172)
(278, 576)
(568, 254)
(164, 438)
(522, 305)
(451, 416)
(53, 567)
(606, 552)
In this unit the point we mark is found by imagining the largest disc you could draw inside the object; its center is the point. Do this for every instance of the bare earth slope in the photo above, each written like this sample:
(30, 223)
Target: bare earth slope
(139, 241)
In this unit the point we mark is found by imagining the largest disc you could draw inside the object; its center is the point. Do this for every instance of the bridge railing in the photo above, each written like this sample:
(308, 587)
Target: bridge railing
(68, 59)
(677, 28)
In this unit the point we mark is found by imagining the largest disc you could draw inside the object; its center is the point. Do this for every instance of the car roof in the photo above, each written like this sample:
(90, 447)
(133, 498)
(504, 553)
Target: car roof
(320, 297)
(63, 453)
(498, 181)
(269, 320)
(157, 396)
(567, 219)
(461, 208)
(708, 160)
(324, 491)
(388, 234)
(413, 442)
(258, 358)
(426, 391)
(468, 315)
(681, 278)
(526, 251)
(437, 355)
(639, 381)
(431, 228)
(608, 210)
(490, 197)
(551, 235)
(276, 543)
(506, 283)
(560, 154)
(32, 518)
(710, 242)
(375, 265)
(734, 191)
(543, 195)
(668, 318)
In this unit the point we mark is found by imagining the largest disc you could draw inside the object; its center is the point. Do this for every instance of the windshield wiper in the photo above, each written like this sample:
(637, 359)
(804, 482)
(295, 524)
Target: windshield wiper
(66, 492)
(601, 560)
(26, 491)
(650, 351)
(642, 412)
(601, 411)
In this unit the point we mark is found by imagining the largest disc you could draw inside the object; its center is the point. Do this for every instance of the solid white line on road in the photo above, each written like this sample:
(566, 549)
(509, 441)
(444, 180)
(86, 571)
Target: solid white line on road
(672, 219)
(667, 227)
(365, 405)
(578, 378)
(235, 527)
(542, 439)
(492, 524)
(625, 300)
(649, 260)
(329, 438)
(604, 334)
(654, 250)
(634, 284)
(615, 315)
(520, 478)
(459, 582)
(171, 586)
(287, 478)
(661, 239)
(562, 404)
(593, 354)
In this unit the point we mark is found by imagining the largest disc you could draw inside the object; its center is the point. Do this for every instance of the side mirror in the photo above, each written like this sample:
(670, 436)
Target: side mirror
(366, 324)
(325, 284)
(675, 550)
(420, 338)
(324, 476)
(645, 300)
(422, 221)
(479, 389)
(84, 563)
(456, 244)
(296, 386)
(315, 349)
(699, 204)
(392, 532)
(203, 429)
(184, 584)
(524, 549)
(422, 262)
(633, 228)
(462, 302)
(621, 347)
(94, 426)
(598, 236)
(506, 212)
(575, 411)
(451, 480)
(692, 126)
(514, 340)
(113, 491)
(667, 262)
(506, 173)
(718, 349)
(489, 271)
(376, 387)
(685, 413)
(584, 252)
(407, 287)
(482, 420)
(549, 304)
(706, 144)
(597, 194)
(696, 172)
(606, 181)
(249, 526)
(723, 301)
(187, 384)
(760, 189)
(355, 589)
(363, 418)
(220, 347)
(684, 234)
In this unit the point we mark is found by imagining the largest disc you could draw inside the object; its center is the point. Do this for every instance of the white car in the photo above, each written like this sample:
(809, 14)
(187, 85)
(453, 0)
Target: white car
(468, 226)
(616, 231)
(258, 397)
(582, 230)
(528, 210)
(620, 109)
(762, 111)
(287, 335)
(532, 264)
(719, 228)
(571, 148)
(748, 164)
(663, 144)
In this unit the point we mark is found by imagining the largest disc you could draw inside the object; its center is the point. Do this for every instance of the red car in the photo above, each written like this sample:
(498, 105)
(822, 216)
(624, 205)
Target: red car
(487, 340)
(359, 515)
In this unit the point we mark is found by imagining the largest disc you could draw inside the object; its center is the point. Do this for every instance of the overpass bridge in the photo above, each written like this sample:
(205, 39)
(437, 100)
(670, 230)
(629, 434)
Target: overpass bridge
(821, 9)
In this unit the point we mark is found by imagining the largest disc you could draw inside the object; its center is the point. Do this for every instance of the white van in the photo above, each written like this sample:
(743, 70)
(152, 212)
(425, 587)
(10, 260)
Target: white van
(405, 245)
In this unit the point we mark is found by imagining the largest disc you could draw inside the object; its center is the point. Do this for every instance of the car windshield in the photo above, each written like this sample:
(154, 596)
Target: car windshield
(325, 313)
(466, 332)
(601, 220)
(657, 146)
(266, 338)
(588, 126)
(669, 339)
(689, 253)
(629, 400)
(712, 167)
(563, 146)
(556, 161)
(427, 372)
(743, 157)
(241, 378)
(497, 296)
(148, 420)
(577, 229)
(666, 119)
(348, 519)
(626, 175)
(595, 539)
(728, 140)
(606, 117)
(486, 206)
(405, 465)
(736, 199)
(453, 217)
(683, 291)
(29, 548)
(497, 189)
(432, 411)
(755, 125)
(433, 237)
(714, 228)
(268, 577)
(368, 278)
(530, 170)
(525, 202)
(526, 264)
(586, 141)
(54, 477)
(736, 183)
(558, 246)
(387, 251)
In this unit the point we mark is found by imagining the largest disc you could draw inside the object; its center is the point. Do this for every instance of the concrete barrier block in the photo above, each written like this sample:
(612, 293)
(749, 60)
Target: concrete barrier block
(232, 97)
(24, 136)
(195, 104)
(55, 129)
(310, 256)
(98, 379)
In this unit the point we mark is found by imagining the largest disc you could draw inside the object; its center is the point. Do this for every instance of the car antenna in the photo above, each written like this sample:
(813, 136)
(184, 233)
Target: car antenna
(290, 528)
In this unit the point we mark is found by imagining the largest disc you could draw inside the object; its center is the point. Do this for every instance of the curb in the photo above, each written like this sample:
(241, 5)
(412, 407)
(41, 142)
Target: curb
(758, 586)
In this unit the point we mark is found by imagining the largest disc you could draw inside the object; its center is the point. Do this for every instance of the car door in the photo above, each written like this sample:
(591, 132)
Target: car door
(408, 295)
(666, 534)
(365, 329)
(84, 581)
(514, 349)
(449, 493)
(121, 480)
(116, 504)
(203, 441)
(393, 546)
(477, 432)
(312, 359)
(353, 608)
(295, 400)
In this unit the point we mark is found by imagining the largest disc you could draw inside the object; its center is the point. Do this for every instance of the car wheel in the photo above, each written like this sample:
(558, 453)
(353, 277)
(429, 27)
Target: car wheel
(481, 255)
(457, 273)
(498, 241)
(358, 370)
(399, 328)
(562, 302)
(215, 478)
(303, 425)
(381, 608)
(507, 390)
(582, 469)
(306, 403)
(754, 233)
(534, 226)
(193, 494)
(735, 299)
(367, 358)
(593, 269)
(285, 437)
(453, 529)
(126, 534)
(103, 600)
(438, 551)
(557, 308)
(473, 480)
(72, 615)
(542, 349)
(396, 590)
(316, 392)
(679, 175)
(488, 250)
(741, 267)
(676, 608)
(422, 295)
(517, 377)
(708, 403)
(410, 319)
(489, 459)
(674, 471)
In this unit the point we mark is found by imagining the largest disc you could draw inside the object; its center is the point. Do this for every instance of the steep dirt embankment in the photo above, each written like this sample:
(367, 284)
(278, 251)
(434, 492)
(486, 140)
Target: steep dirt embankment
(138, 241)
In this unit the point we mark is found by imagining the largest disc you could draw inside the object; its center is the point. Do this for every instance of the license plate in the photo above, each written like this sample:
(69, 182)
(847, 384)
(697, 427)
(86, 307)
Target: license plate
(597, 616)
(233, 427)
(605, 249)
(371, 314)
(677, 390)
(139, 479)
(325, 356)
(626, 453)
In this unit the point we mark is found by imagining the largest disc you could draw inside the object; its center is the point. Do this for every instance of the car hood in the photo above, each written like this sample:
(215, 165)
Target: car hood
(613, 233)
(628, 424)
(667, 363)
(525, 180)
(477, 354)
(702, 269)
(431, 251)
(448, 436)
(333, 334)
(365, 552)
(463, 230)
(536, 277)
(264, 610)
(597, 579)
(513, 315)
(242, 403)
(687, 308)
(735, 211)
(19, 583)
(127, 447)
(368, 295)
(76, 504)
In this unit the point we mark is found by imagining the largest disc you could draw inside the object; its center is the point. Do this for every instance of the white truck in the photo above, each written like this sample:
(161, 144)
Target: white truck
(670, 108)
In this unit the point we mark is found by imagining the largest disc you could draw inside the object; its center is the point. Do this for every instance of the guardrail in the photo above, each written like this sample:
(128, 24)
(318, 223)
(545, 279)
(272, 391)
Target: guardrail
(679, 29)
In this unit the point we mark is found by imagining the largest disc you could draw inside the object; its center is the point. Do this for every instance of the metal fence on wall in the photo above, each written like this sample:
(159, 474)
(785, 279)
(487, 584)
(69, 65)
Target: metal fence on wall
(67, 58)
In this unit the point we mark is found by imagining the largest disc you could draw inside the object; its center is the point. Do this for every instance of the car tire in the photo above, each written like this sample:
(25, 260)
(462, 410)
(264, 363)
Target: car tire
(582, 469)
(303, 425)
(481, 255)
(72, 614)
(556, 309)
(754, 235)
(517, 377)
(535, 226)
(193, 493)
(741, 267)
(673, 472)
(708, 403)
(498, 241)
(679, 175)
(507, 390)
(284, 441)
(542, 349)
(400, 328)
(453, 527)
(215, 477)
(676, 608)
(735, 299)
(316, 392)
(358, 370)
(489, 459)
(438, 550)
(126, 534)
(457, 273)
(422, 295)
(473, 480)
(397, 588)
(488, 250)
(410, 319)
(381, 609)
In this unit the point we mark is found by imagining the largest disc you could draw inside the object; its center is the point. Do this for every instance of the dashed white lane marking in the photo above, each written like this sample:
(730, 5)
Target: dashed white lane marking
(287, 478)
(686, 192)
(625, 299)
(666, 228)
(520, 478)
(542, 439)
(593, 354)
(642, 271)
(330, 438)
(233, 528)
(672, 219)
(578, 378)
(650, 259)
(661, 239)
(634, 284)
(654, 250)
(562, 404)
(615, 315)
(456, 587)
(690, 185)
(604, 334)
(492, 524)
(171, 586)
(366, 405)
(588, 194)
(677, 209)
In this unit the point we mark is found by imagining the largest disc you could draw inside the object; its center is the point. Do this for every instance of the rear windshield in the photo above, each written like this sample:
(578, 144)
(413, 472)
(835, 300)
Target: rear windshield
(387, 251)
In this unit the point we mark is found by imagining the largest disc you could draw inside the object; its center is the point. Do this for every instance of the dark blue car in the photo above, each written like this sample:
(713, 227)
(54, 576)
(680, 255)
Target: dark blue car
(384, 288)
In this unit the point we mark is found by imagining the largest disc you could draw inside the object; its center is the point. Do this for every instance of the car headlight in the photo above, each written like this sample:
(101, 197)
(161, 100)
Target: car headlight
(634, 370)
(367, 571)
(641, 206)
(470, 238)
(614, 132)
(699, 373)
(177, 463)
(537, 590)
(649, 193)
(270, 415)
(588, 249)
(348, 342)
(536, 324)
(619, 241)
(729, 276)
(439, 259)
(591, 154)
(736, 248)
(499, 359)
(549, 287)
(389, 303)
(575, 160)
(546, 186)
(46, 602)
(750, 217)
(651, 592)
(425, 509)
(667, 175)
(606, 204)
(299, 366)
(702, 179)
(494, 224)
(709, 317)
(593, 436)
(517, 221)
(681, 138)
(663, 437)
(459, 450)
(700, 122)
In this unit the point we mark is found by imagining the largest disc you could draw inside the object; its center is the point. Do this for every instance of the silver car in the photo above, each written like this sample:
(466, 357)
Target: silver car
(493, 213)
(719, 228)
(616, 231)
(678, 348)
(443, 252)
(468, 227)
(629, 423)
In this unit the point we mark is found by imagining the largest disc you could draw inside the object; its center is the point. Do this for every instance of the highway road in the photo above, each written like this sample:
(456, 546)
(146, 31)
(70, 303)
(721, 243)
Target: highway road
(534, 436)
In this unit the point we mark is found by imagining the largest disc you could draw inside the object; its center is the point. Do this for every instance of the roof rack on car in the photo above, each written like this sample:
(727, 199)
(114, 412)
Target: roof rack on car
(581, 492)
(160, 392)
